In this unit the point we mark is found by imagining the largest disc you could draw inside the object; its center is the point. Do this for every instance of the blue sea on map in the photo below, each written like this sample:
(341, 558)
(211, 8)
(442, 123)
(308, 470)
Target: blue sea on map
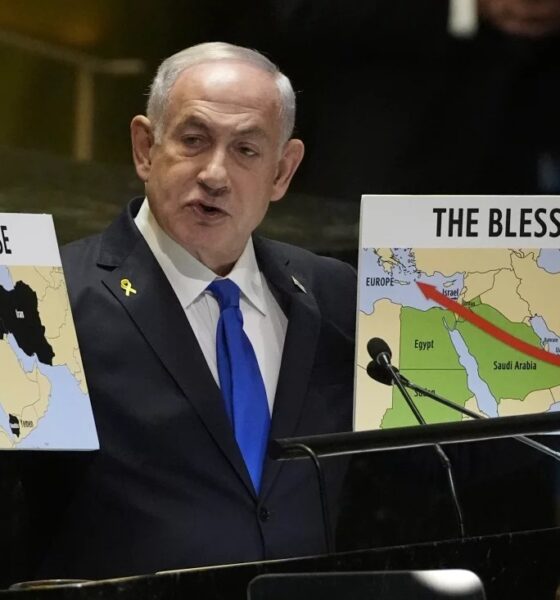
(539, 327)
(68, 422)
(5, 279)
(549, 260)
(27, 362)
(403, 291)
(486, 402)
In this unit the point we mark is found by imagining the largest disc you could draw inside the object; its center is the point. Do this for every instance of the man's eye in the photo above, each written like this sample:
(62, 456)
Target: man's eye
(192, 141)
(248, 151)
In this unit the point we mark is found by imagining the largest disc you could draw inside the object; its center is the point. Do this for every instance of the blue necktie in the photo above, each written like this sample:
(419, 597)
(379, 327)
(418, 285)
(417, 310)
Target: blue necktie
(241, 381)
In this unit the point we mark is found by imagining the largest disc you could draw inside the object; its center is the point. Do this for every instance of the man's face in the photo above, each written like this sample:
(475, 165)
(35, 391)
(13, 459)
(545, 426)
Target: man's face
(219, 160)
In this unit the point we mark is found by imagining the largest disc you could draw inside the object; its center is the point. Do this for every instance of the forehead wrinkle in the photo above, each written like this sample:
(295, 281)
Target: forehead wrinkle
(240, 129)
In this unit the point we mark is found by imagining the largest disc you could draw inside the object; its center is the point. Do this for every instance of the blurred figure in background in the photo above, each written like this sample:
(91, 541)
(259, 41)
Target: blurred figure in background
(401, 96)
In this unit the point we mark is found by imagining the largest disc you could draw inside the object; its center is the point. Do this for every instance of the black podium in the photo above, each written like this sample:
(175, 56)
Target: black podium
(395, 514)
(524, 565)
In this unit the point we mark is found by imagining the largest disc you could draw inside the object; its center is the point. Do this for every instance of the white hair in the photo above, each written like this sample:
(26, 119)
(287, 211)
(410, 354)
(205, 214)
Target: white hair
(170, 69)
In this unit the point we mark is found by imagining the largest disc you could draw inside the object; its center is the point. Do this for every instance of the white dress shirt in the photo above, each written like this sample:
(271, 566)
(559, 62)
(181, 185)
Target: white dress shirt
(263, 320)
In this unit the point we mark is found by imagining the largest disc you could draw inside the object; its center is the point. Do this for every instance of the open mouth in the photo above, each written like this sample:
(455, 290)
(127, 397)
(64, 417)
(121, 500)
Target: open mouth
(207, 209)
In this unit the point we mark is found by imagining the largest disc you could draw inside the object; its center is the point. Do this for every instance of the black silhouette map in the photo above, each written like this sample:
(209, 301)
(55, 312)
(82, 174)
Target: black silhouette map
(20, 317)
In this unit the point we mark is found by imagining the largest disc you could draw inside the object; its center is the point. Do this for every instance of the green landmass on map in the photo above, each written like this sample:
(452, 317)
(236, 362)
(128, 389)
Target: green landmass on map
(425, 342)
(519, 374)
(451, 384)
(425, 339)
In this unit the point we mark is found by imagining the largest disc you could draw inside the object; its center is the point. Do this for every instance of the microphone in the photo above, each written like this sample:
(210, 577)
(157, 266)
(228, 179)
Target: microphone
(379, 351)
(378, 368)
(381, 369)
(379, 373)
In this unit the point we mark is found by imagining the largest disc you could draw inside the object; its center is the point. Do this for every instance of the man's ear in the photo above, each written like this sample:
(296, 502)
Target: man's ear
(142, 138)
(292, 153)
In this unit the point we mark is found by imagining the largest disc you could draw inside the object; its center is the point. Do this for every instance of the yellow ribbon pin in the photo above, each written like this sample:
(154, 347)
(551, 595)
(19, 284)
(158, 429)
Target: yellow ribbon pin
(127, 287)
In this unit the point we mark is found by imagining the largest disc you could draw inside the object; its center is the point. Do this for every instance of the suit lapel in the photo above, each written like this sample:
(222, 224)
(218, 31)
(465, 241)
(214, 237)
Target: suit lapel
(158, 314)
(300, 345)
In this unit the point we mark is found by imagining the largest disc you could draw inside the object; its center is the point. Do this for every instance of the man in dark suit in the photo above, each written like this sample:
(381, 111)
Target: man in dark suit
(170, 487)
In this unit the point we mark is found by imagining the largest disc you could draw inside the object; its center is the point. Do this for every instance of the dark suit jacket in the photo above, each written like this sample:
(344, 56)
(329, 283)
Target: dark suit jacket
(168, 488)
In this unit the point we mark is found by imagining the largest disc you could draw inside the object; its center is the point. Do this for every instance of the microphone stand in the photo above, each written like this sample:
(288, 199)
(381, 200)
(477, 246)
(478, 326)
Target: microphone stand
(401, 382)
(322, 495)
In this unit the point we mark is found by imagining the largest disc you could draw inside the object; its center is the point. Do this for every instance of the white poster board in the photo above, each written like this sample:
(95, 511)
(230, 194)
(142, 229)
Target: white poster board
(44, 402)
(465, 290)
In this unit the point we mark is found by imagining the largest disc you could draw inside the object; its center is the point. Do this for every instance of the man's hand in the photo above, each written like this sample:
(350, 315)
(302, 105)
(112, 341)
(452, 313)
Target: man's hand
(526, 18)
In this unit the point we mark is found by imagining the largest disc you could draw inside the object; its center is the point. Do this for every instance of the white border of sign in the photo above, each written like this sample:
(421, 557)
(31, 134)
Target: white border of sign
(410, 221)
(31, 240)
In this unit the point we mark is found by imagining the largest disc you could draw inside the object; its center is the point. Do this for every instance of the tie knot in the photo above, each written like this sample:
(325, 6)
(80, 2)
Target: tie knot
(226, 292)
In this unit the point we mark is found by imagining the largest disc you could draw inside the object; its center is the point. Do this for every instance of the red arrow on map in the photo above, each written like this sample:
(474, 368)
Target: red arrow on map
(431, 293)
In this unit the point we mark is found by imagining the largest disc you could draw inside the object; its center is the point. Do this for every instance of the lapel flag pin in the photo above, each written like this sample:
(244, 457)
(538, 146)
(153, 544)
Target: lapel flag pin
(127, 287)
(299, 285)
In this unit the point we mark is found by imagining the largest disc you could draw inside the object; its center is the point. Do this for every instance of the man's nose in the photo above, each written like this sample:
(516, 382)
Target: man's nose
(213, 176)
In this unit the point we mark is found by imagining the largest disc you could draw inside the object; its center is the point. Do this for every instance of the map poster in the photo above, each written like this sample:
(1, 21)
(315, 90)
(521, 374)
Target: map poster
(44, 401)
(464, 290)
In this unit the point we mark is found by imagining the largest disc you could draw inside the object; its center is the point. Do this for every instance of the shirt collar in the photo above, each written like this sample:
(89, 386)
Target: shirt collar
(188, 277)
